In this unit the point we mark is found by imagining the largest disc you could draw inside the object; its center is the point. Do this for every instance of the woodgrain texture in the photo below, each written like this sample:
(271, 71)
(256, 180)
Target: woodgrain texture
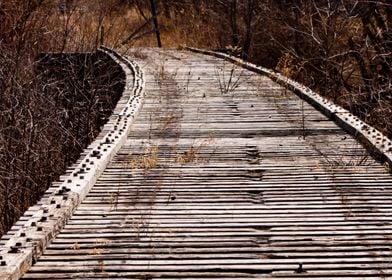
(226, 174)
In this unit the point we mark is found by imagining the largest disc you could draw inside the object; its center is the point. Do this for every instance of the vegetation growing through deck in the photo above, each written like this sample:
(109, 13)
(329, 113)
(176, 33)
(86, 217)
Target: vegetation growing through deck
(342, 49)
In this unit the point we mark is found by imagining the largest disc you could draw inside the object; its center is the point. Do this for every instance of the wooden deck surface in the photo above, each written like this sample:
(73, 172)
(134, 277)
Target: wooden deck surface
(249, 182)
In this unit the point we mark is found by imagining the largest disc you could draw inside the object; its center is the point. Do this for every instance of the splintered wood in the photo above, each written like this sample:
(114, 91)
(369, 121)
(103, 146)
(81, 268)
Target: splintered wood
(226, 174)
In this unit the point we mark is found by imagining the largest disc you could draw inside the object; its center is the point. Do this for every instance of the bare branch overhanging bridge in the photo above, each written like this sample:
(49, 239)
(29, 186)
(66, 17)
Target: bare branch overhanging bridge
(210, 168)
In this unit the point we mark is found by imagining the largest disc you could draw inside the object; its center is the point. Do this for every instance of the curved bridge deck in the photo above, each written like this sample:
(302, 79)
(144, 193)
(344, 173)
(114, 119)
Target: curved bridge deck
(226, 174)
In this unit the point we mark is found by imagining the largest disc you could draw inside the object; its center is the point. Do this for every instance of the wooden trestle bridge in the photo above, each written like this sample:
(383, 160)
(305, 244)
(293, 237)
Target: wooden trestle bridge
(213, 168)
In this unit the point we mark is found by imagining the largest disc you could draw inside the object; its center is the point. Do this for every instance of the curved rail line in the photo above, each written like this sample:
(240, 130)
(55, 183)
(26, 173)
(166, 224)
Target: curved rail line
(59, 203)
(224, 174)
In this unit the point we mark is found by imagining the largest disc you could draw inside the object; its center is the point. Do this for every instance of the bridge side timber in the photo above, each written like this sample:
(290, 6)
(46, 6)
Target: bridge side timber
(378, 143)
(43, 222)
(226, 174)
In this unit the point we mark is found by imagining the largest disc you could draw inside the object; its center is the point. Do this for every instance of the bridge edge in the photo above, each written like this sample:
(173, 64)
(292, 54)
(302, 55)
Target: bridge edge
(376, 142)
(25, 246)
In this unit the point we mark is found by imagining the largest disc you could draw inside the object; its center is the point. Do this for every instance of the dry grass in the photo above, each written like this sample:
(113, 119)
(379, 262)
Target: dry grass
(229, 79)
(75, 246)
(101, 264)
(168, 121)
(387, 167)
(288, 65)
(96, 252)
(49, 110)
(193, 152)
(113, 200)
(148, 160)
(84, 22)
(188, 156)
(138, 53)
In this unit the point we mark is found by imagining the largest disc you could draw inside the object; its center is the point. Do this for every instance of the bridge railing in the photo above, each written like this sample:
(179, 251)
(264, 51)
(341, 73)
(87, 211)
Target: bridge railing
(377, 143)
(26, 244)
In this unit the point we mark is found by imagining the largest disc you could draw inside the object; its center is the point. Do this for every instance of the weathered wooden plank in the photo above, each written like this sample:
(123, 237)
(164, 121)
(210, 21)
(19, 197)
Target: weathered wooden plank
(244, 184)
